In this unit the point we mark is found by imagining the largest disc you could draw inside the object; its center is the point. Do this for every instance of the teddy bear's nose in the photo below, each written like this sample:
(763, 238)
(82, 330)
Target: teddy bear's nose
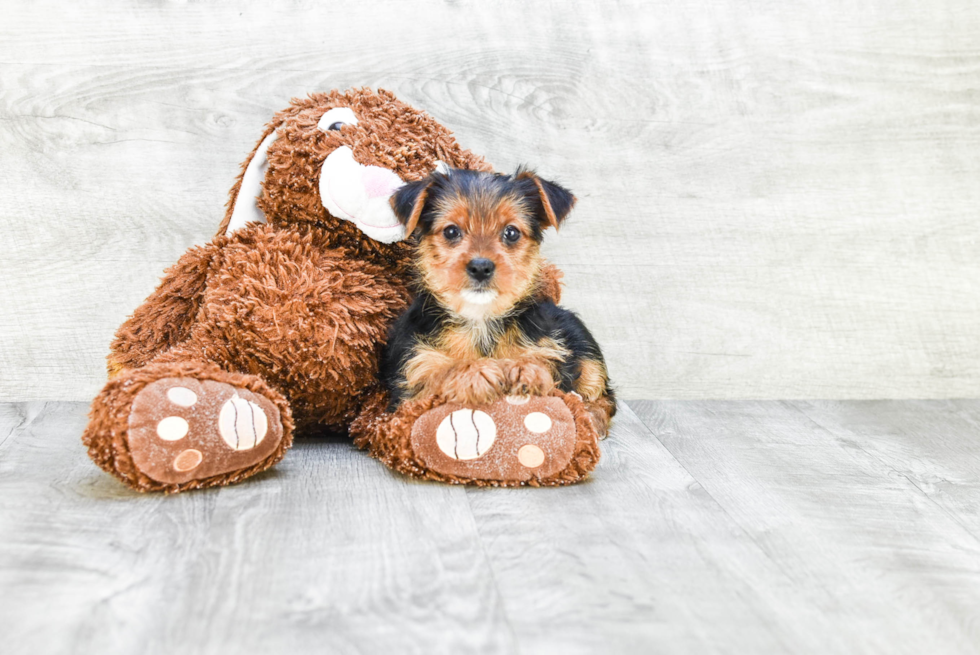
(379, 182)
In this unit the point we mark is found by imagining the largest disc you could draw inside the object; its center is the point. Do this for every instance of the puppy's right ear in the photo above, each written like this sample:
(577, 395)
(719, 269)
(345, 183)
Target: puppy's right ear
(408, 203)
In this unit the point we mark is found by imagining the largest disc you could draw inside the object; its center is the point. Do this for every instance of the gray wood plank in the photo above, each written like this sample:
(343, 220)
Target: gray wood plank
(776, 199)
(728, 527)
(330, 553)
(890, 569)
(327, 553)
(641, 559)
(935, 445)
(14, 416)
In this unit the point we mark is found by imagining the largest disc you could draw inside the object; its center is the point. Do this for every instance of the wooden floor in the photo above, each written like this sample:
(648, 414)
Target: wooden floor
(740, 527)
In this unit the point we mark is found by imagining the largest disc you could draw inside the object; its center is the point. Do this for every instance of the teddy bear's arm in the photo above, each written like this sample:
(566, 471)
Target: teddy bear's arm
(165, 318)
(551, 283)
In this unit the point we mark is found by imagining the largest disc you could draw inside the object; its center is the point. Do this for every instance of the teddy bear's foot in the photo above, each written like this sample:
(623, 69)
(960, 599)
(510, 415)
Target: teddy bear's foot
(513, 440)
(183, 429)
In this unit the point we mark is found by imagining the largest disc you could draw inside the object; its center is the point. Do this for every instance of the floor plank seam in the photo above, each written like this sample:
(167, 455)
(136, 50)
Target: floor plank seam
(714, 500)
(493, 576)
(942, 509)
(25, 421)
(889, 467)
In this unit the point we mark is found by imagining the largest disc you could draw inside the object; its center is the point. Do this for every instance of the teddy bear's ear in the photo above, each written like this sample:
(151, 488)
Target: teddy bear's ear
(242, 207)
(409, 201)
(552, 201)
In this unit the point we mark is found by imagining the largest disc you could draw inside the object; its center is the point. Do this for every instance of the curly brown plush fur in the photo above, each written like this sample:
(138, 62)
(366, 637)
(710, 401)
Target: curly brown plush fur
(289, 315)
(295, 309)
(107, 438)
(388, 438)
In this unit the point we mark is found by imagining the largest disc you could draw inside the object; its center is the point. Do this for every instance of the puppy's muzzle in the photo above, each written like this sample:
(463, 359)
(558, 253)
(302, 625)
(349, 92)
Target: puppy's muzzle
(480, 270)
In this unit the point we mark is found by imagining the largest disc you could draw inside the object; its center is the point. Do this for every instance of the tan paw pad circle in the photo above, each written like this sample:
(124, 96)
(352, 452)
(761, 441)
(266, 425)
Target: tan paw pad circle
(242, 423)
(172, 428)
(537, 422)
(188, 460)
(530, 456)
(466, 434)
(517, 400)
(182, 396)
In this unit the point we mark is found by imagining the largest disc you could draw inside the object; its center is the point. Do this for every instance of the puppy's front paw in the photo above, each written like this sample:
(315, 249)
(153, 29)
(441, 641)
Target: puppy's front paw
(529, 378)
(475, 383)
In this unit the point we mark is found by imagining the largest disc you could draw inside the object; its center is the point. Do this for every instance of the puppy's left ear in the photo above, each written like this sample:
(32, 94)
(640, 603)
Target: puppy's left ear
(556, 201)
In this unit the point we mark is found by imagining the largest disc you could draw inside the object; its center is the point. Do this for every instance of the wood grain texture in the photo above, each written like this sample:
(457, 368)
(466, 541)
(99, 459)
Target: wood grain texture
(823, 488)
(640, 559)
(934, 446)
(776, 200)
(708, 527)
(327, 553)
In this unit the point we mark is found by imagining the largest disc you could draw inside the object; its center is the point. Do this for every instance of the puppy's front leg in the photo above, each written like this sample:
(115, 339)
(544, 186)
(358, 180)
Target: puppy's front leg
(469, 382)
(592, 384)
(478, 382)
(529, 376)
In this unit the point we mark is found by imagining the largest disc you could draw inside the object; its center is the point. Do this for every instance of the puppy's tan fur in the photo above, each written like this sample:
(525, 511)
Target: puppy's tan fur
(454, 365)
(483, 324)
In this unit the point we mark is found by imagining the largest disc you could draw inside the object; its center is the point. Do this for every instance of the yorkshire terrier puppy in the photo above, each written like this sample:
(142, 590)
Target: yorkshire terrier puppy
(479, 327)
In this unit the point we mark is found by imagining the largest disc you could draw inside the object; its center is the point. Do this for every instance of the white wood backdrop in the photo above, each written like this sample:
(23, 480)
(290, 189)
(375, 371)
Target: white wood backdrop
(778, 199)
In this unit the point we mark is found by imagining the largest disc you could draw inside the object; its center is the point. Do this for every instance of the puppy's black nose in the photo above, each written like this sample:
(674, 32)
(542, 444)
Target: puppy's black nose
(480, 270)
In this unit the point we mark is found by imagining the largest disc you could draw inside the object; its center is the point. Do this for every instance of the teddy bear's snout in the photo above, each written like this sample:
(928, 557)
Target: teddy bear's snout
(379, 182)
(354, 192)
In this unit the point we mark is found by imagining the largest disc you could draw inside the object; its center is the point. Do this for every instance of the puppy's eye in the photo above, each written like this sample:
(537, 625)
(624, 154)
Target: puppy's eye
(511, 234)
(452, 232)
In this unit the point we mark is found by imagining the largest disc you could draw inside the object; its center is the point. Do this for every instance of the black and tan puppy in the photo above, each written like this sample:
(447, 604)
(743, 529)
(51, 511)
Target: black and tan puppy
(478, 328)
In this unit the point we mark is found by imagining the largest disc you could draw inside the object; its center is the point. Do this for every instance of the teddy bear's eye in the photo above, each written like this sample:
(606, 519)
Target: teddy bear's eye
(336, 118)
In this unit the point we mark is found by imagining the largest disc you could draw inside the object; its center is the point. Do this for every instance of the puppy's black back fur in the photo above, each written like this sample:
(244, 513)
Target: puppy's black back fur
(546, 319)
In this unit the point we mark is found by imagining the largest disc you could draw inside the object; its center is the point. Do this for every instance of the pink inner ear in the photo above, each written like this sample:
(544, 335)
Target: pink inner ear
(379, 182)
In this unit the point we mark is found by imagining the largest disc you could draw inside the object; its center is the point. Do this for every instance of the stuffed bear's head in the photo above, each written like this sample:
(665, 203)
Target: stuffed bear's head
(335, 159)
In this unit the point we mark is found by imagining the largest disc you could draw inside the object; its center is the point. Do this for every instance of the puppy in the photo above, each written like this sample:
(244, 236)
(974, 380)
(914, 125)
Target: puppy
(479, 328)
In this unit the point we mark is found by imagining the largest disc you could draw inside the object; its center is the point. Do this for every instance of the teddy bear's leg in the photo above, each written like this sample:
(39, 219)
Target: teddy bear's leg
(537, 441)
(176, 425)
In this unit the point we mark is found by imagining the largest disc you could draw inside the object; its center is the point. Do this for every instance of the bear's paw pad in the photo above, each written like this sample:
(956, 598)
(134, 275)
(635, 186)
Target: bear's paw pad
(182, 429)
(513, 439)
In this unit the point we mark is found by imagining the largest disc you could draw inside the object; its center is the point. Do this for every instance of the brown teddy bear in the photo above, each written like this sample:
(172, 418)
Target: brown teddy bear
(275, 326)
